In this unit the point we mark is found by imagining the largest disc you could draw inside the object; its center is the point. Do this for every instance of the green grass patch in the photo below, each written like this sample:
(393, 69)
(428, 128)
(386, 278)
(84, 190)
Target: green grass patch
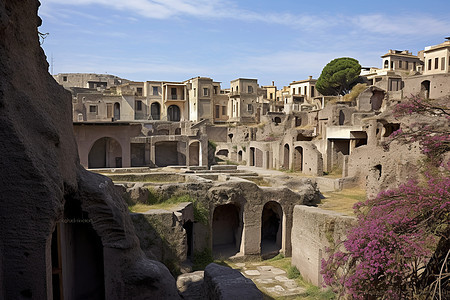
(343, 201)
(278, 257)
(293, 272)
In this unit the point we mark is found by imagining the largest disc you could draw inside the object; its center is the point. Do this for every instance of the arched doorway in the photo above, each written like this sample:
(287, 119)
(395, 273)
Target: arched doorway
(240, 155)
(155, 111)
(116, 111)
(105, 153)
(271, 228)
(286, 157)
(194, 154)
(252, 156)
(227, 230)
(76, 250)
(298, 159)
(425, 89)
(173, 113)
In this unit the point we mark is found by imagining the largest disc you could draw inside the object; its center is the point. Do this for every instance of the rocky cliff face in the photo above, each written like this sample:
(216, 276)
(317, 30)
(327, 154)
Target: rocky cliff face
(42, 184)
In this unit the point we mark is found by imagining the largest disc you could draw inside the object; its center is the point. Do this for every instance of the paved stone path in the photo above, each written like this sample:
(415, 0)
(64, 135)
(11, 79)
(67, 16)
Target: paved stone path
(270, 280)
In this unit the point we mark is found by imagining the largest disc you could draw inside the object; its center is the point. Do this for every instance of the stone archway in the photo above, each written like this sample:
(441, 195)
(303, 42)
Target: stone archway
(194, 153)
(286, 157)
(106, 152)
(173, 113)
(271, 228)
(155, 111)
(227, 231)
(223, 152)
(425, 89)
(298, 159)
(252, 157)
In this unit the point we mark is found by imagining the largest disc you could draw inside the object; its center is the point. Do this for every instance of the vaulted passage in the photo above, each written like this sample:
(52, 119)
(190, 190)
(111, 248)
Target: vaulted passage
(271, 228)
(105, 153)
(77, 257)
(227, 231)
(298, 159)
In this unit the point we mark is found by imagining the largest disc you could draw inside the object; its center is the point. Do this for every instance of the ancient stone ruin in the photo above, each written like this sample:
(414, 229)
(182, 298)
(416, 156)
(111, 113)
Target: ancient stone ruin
(62, 226)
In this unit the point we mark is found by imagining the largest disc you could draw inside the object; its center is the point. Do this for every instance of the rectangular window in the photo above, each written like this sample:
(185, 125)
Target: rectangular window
(305, 90)
(155, 91)
(436, 63)
(64, 78)
(215, 90)
(217, 111)
(93, 109)
(249, 107)
(173, 93)
(443, 63)
(109, 113)
(205, 92)
(429, 64)
(139, 91)
(224, 110)
(271, 96)
(293, 91)
(312, 91)
(400, 64)
(250, 89)
(138, 105)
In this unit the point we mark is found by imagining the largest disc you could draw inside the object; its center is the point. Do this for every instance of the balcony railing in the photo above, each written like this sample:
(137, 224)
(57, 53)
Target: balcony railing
(175, 97)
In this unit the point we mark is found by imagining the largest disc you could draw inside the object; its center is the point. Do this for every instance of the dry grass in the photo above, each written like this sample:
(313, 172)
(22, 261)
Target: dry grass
(141, 208)
(343, 201)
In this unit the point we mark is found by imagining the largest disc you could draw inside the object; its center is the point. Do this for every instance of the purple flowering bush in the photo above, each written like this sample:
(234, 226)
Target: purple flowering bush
(400, 246)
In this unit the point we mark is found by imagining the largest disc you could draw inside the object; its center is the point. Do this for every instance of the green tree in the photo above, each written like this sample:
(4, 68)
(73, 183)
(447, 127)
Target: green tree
(339, 76)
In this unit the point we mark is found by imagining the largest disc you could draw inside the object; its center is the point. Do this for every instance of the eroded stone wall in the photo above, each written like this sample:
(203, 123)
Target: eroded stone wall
(312, 231)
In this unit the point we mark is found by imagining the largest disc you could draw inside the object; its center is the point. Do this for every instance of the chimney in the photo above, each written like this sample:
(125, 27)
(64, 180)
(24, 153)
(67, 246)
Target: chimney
(309, 77)
(273, 83)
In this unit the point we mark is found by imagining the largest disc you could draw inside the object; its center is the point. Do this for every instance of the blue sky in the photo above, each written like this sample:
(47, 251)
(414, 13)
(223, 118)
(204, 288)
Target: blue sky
(281, 40)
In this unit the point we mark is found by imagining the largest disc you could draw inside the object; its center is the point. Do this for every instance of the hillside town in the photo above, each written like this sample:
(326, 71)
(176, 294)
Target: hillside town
(116, 189)
(122, 123)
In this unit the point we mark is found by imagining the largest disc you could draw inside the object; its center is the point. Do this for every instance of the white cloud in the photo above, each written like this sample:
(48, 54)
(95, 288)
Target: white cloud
(417, 25)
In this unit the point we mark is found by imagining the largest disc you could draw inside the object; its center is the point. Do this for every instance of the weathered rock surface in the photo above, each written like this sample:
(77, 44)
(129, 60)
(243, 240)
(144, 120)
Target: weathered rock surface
(190, 285)
(42, 182)
(161, 234)
(226, 284)
(312, 231)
